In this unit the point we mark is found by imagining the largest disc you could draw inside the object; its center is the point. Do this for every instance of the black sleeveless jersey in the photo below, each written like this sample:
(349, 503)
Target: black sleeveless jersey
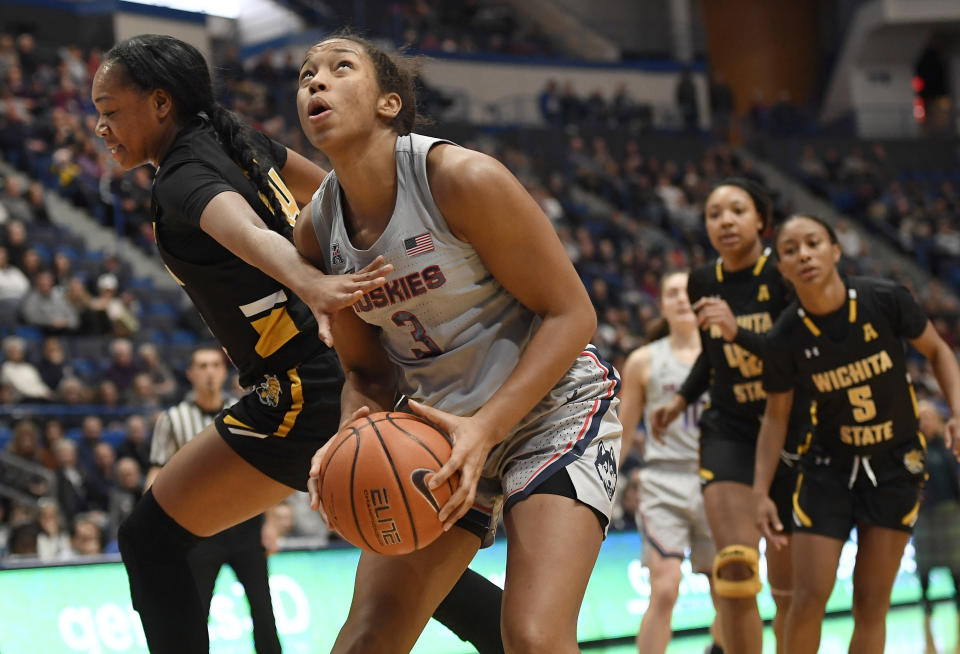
(757, 295)
(262, 326)
(852, 364)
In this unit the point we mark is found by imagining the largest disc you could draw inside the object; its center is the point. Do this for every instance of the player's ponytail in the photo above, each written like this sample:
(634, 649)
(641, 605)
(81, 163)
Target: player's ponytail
(157, 61)
(238, 140)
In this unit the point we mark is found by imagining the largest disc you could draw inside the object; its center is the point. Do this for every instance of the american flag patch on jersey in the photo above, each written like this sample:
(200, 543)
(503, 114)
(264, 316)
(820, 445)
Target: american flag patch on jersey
(418, 244)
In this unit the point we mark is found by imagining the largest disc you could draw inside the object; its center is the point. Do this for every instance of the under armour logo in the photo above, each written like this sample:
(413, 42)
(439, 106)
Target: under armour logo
(811, 352)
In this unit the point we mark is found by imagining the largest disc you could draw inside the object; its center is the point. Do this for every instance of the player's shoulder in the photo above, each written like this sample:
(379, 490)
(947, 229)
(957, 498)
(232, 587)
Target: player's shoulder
(787, 323)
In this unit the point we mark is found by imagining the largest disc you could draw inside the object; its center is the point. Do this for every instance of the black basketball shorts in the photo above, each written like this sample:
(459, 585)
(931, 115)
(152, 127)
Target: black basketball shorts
(280, 424)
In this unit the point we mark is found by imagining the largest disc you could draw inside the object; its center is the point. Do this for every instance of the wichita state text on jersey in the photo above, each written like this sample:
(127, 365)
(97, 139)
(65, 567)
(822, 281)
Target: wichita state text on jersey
(756, 296)
(852, 363)
(262, 325)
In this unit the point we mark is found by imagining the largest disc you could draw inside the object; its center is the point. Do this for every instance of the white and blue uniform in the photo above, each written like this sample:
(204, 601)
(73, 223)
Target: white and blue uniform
(456, 334)
(672, 517)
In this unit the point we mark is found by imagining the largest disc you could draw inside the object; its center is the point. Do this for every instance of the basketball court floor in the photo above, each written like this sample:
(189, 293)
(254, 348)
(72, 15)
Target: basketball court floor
(905, 635)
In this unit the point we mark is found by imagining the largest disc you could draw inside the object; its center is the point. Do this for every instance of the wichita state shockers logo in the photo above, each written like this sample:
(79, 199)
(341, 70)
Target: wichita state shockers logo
(269, 390)
(913, 461)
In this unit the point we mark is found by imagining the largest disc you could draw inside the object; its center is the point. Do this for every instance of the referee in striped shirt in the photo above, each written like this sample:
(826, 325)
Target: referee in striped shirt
(240, 546)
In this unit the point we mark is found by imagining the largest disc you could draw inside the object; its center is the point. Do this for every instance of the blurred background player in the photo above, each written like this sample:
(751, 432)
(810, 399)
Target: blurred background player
(737, 298)
(241, 546)
(936, 536)
(672, 519)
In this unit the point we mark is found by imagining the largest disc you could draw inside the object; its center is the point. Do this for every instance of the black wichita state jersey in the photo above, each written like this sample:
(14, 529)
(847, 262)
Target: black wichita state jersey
(852, 364)
(262, 326)
(756, 296)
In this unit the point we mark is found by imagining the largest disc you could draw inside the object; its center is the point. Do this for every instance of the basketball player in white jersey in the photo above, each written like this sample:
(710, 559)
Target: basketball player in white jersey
(485, 325)
(672, 518)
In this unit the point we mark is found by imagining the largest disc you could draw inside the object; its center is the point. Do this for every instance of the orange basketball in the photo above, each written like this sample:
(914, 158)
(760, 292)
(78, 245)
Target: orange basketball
(372, 482)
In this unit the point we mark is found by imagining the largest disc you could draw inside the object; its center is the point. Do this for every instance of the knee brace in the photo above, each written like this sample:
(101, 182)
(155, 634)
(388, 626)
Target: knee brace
(737, 588)
(154, 549)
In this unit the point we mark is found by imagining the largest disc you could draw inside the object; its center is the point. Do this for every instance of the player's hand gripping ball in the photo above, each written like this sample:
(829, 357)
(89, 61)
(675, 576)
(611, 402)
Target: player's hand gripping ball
(372, 482)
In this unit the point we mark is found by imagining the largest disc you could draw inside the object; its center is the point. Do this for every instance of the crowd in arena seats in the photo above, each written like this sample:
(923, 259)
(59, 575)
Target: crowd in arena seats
(914, 209)
(90, 354)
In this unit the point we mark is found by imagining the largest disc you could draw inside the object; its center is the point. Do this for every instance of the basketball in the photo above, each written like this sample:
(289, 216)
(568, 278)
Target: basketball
(372, 482)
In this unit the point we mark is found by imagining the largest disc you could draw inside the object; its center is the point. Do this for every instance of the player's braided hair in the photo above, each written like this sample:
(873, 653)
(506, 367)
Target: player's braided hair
(155, 61)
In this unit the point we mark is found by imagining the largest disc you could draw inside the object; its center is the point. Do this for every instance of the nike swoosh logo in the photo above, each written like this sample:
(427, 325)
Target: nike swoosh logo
(417, 478)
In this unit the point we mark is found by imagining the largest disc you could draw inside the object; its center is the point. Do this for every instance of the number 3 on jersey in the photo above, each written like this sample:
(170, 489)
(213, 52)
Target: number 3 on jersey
(419, 334)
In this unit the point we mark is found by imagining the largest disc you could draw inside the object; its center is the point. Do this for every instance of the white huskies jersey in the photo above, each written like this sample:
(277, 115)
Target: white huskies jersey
(454, 332)
(682, 438)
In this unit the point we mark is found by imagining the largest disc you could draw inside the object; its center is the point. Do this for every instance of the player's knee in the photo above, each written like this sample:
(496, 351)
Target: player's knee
(736, 572)
(665, 591)
(523, 635)
(869, 606)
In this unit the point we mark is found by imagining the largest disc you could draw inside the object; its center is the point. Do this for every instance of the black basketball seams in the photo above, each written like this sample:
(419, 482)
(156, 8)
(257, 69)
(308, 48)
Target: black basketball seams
(353, 474)
(393, 422)
(396, 476)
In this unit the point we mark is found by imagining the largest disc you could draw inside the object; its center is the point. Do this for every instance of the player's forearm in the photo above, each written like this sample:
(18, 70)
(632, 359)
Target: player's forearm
(359, 391)
(773, 434)
(548, 356)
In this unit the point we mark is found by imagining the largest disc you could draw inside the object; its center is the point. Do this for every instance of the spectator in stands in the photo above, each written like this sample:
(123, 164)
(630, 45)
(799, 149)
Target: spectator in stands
(53, 543)
(52, 434)
(624, 516)
(122, 368)
(46, 307)
(22, 539)
(721, 105)
(15, 241)
(118, 308)
(849, 239)
(92, 321)
(62, 270)
(71, 481)
(21, 375)
(52, 366)
(14, 285)
(91, 435)
(72, 391)
(550, 104)
(107, 394)
(102, 476)
(8, 54)
(31, 264)
(279, 523)
(24, 449)
(142, 394)
(164, 383)
(136, 445)
(37, 203)
(125, 493)
(686, 97)
(15, 201)
(86, 538)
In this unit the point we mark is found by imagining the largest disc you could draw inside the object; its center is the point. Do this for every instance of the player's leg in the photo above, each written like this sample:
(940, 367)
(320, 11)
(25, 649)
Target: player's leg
(394, 596)
(552, 545)
(666, 534)
(736, 540)
(879, 551)
(780, 576)
(471, 610)
(205, 488)
(248, 558)
(665, 575)
(818, 557)
(205, 561)
(780, 561)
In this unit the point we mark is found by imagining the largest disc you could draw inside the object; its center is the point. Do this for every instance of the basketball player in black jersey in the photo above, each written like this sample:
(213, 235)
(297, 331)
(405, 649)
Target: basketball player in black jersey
(225, 199)
(737, 298)
(842, 343)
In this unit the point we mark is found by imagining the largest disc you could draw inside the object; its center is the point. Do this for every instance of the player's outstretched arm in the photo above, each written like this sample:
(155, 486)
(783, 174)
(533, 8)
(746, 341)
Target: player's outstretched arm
(233, 223)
